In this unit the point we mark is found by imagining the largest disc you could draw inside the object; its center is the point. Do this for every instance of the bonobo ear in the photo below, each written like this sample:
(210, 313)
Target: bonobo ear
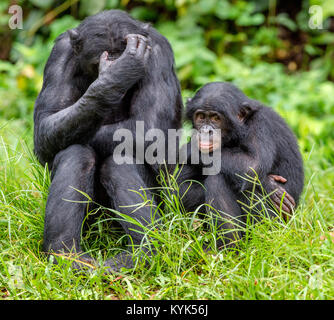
(247, 110)
(147, 25)
(76, 41)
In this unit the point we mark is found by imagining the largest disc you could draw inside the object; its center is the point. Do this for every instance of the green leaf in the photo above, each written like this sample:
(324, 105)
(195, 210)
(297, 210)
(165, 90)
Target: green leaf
(88, 7)
(43, 4)
(284, 20)
(250, 20)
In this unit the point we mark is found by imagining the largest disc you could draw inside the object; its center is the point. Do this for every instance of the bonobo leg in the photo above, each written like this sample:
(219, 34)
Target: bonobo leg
(72, 168)
(227, 216)
(191, 188)
(119, 180)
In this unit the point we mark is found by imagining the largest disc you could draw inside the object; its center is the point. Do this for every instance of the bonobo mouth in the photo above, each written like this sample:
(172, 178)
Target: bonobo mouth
(207, 145)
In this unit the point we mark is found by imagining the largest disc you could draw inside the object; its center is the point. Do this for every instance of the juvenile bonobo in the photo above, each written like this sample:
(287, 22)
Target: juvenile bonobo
(106, 74)
(251, 137)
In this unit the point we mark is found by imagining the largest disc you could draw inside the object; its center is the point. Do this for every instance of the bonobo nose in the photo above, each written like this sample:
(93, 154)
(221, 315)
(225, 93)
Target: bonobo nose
(206, 130)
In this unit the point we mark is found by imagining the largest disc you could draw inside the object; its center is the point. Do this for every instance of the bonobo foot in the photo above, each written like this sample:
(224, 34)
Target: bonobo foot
(122, 260)
(127, 260)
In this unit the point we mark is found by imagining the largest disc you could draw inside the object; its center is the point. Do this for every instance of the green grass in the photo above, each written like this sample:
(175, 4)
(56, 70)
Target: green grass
(276, 260)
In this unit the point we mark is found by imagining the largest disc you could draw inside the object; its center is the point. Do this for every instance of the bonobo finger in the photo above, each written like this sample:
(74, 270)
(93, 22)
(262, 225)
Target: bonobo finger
(279, 192)
(290, 199)
(286, 208)
(278, 178)
(131, 46)
(276, 200)
(142, 44)
(141, 38)
(288, 204)
(103, 57)
(103, 60)
(278, 205)
(147, 53)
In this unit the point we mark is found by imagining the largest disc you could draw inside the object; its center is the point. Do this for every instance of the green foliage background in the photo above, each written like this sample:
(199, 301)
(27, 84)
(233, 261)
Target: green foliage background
(265, 47)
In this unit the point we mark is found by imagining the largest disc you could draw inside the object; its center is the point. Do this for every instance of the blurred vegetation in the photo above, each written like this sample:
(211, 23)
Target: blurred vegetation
(265, 47)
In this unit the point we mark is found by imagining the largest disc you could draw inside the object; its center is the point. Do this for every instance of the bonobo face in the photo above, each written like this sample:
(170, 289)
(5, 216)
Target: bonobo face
(209, 124)
(89, 48)
(105, 31)
(220, 105)
(89, 56)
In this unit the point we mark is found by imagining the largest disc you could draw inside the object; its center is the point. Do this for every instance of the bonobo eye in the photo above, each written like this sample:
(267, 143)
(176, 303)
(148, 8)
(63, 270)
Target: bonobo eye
(199, 116)
(215, 118)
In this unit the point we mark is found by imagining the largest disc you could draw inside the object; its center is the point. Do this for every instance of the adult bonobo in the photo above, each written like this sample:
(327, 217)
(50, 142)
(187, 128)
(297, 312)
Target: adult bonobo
(251, 137)
(106, 74)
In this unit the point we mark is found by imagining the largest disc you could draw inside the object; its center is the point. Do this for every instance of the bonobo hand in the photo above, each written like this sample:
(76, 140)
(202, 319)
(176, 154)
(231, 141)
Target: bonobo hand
(288, 203)
(130, 66)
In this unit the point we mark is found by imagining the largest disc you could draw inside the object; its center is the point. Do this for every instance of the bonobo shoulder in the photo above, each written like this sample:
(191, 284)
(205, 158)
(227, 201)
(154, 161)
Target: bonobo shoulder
(62, 41)
(271, 116)
(60, 66)
(61, 52)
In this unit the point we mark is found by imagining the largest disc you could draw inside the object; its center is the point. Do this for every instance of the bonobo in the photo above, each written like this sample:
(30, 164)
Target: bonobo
(252, 137)
(106, 74)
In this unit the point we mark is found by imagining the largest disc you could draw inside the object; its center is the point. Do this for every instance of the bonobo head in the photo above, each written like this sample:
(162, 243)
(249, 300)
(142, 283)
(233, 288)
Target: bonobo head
(105, 31)
(222, 106)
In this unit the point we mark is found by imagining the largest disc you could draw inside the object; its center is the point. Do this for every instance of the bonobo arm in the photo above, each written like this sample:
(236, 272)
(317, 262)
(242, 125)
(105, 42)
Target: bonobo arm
(63, 116)
(238, 162)
(155, 105)
(259, 155)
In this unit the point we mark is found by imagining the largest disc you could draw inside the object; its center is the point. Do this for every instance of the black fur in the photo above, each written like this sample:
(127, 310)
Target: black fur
(254, 136)
(80, 107)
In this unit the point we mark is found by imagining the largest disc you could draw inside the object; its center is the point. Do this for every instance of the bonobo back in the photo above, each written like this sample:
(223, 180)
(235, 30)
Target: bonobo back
(288, 160)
